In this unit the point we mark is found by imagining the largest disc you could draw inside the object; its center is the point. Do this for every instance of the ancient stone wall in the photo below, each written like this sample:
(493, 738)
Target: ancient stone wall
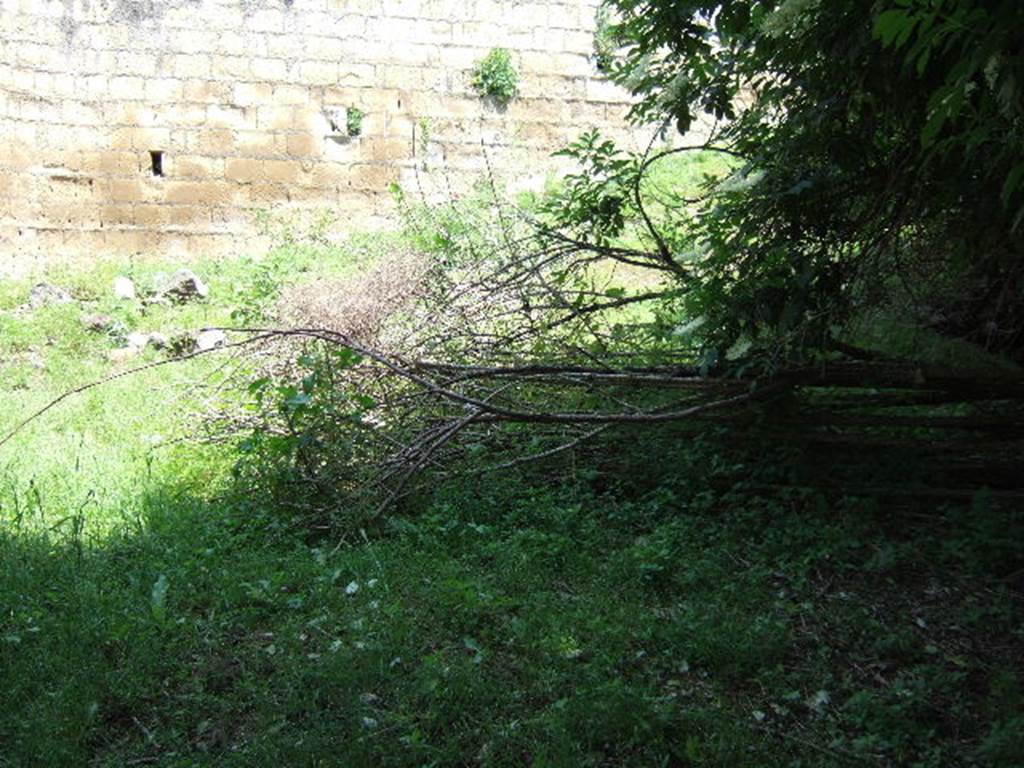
(161, 126)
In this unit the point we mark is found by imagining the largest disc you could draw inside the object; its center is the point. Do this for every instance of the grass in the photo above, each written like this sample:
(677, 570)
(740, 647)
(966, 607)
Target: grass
(646, 605)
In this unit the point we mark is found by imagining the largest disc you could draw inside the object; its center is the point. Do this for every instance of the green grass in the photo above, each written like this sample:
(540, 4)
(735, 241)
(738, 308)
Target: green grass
(684, 174)
(645, 605)
(97, 449)
(509, 624)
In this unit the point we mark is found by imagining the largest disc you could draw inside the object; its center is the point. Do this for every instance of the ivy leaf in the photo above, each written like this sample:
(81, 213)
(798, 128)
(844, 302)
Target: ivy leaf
(894, 27)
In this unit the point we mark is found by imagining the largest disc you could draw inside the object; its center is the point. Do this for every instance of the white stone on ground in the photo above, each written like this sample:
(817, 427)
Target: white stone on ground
(124, 289)
(184, 285)
(211, 339)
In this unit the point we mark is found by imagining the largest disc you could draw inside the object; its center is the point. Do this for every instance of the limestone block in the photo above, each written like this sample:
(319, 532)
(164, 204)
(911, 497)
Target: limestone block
(232, 43)
(577, 41)
(303, 145)
(328, 175)
(370, 100)
(65, 86)
(236, 118)
(79, 113)
(213, 245)
(201, 193)
(124, 190)
(252, 94)
(214, 141)
(196, 167)
(285, 46)
(259, 144)
(318, 46)
(373, 176)
(289, 95)
(310, 119)
(205, 91)
(401, 77)
(36, 110)
(604, 91)
(125, 242)
(244, 170)
(193, 39)
(275, 118)
(94, 163)
(152, 216)
(149, 139)
(266, 20)
(23, 79)
(70, 214)
(571, 16)
(573, 65)
(266, 193)
(163, 90)
(318, 72)
(137, 63)
(272, 70)
(230, 68)
(399, 126)
(184, 115)
(460, 55)
(286, 171)
(185, 216)
(551, 39)
(116, 216)
(190, 65)
(388, 149)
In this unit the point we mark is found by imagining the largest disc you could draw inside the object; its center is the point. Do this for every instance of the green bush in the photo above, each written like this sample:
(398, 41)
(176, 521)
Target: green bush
(495, 77)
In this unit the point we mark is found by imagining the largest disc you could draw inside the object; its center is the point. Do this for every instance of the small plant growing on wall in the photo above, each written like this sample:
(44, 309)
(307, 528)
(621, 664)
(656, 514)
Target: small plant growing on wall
(354, 121)
(606, 46)
(425, 129)
(495, 78)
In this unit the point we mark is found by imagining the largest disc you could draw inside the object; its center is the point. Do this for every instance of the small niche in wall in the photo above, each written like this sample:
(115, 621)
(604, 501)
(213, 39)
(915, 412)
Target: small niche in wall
(156, 163)
(354, 121)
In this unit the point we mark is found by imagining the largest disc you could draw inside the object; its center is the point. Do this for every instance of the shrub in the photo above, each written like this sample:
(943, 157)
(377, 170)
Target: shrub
(495, 77)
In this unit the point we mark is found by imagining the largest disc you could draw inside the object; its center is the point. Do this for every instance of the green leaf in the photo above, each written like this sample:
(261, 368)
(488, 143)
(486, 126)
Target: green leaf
(259, 385)
(894, 27)
(298, 400)
(1013, 180)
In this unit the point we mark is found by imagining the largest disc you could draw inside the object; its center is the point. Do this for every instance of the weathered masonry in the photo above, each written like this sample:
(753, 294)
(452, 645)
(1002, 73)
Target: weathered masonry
(149, 126)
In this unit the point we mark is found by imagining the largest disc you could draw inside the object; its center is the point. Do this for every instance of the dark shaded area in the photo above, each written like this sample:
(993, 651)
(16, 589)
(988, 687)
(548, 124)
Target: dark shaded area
(680, 599)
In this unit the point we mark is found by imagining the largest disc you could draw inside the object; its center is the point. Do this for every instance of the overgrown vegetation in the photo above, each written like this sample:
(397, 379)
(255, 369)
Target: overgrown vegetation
(667, 467)
(880, 164)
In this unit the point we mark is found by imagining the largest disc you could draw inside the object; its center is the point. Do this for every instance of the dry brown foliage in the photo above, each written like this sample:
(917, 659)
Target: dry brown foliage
(359, 306)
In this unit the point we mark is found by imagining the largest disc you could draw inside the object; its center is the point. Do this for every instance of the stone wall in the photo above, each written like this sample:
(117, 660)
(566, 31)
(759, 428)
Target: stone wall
(161, 126)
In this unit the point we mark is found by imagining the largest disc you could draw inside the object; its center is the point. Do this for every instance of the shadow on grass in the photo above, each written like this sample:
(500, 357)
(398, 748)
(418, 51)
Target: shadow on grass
(630, 617)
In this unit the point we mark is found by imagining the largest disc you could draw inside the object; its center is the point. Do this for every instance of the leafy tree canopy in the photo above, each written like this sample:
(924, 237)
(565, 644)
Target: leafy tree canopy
(881, 151)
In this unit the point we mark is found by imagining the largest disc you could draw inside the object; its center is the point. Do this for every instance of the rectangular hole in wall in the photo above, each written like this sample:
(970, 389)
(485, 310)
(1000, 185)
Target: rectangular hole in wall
(156, 162)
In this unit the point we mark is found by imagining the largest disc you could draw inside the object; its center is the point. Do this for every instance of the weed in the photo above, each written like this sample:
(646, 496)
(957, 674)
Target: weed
(354, 121)
(495, 78)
